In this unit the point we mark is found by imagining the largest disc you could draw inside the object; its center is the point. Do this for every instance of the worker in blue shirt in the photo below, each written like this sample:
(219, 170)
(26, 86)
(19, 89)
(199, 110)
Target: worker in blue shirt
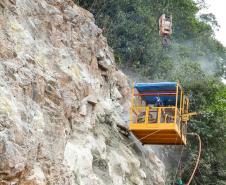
(158, 102)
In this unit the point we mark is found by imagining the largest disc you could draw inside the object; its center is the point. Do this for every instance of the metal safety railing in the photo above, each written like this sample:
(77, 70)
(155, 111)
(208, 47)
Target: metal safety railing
(155, 115)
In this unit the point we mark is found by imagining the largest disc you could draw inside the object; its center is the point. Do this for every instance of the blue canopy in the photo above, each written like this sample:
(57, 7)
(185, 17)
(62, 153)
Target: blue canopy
(156, 91)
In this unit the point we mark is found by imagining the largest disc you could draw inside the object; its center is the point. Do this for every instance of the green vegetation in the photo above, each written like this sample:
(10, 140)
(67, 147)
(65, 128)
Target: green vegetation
(131, 27)
(209, 98)
(195, 58)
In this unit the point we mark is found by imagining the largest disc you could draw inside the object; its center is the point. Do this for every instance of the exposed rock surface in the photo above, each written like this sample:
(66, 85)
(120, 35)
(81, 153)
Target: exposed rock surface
(61, 97)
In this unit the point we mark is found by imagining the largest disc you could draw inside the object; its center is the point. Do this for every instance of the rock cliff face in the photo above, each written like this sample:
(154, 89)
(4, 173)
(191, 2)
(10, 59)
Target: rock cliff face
(61, 97)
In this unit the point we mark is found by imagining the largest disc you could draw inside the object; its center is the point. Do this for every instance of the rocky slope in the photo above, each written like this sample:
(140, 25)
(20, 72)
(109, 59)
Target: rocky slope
(61, 97)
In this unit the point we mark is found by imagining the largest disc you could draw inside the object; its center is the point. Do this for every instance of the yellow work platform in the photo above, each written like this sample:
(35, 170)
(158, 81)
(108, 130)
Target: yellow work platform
(159, 113)
(158, 134)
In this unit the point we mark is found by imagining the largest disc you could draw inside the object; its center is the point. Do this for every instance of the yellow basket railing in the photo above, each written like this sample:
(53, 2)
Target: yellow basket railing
(154, 115)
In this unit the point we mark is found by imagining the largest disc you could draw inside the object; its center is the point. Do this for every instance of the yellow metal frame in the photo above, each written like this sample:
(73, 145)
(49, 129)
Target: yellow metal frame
(168, 132)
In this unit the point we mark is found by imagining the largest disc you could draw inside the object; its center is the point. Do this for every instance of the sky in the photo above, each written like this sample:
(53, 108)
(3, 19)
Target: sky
(218, 8)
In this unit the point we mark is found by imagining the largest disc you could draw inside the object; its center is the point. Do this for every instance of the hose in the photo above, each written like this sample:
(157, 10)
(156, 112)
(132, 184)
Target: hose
(199, 155)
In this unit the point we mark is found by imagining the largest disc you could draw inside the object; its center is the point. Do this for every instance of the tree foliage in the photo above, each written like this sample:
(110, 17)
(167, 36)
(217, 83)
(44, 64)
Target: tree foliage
(131, 27)
(209, 97)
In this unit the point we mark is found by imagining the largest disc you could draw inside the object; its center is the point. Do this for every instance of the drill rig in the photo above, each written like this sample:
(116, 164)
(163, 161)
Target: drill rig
(165, 29)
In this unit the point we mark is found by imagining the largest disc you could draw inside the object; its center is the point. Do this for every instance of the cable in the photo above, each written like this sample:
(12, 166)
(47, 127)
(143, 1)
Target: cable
(93, 3)
(199, 155)
(178, 161)
(143, 138)
(178, 164)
